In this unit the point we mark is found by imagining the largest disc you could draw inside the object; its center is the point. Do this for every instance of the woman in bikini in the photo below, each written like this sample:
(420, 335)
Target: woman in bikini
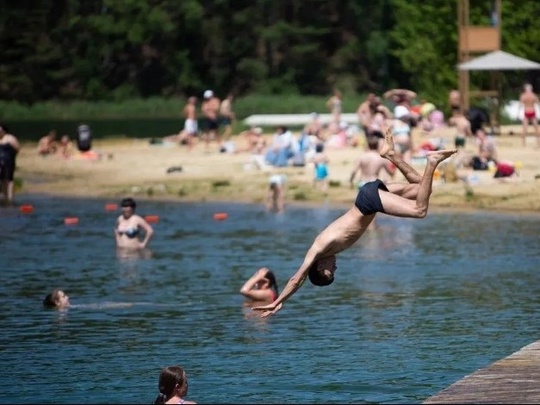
(173, 386)
(128, 227)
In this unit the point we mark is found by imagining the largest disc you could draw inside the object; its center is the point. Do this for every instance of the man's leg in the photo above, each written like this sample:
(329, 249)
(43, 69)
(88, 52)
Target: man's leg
(387, 151)
(398, 204)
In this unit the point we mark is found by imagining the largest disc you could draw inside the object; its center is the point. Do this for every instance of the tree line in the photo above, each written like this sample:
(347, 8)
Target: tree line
(123, 49)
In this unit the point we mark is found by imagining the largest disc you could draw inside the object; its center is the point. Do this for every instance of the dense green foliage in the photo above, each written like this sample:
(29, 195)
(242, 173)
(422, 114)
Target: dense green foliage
(114, 50)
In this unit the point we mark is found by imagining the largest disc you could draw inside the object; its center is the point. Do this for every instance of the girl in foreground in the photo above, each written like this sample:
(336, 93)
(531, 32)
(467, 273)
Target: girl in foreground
(173, 386)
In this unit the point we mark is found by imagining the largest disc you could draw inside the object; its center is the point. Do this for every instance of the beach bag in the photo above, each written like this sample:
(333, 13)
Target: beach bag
(478, 164)
(504, 169)
(84, 138)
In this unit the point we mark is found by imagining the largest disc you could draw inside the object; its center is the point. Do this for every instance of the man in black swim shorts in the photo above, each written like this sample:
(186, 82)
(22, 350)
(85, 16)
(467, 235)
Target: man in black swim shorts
(409, 200)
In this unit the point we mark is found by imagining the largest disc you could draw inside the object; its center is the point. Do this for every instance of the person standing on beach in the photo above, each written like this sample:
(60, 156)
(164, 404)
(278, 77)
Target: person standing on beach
(227, 116)
(371, 164)
(400, 200)
(9, 148)
(454, 102)
(210, 111)
(189, 133)
(128, 226)
(463, 128)
(275, 196)
(364, 112)
(335, 105)
(529, 104)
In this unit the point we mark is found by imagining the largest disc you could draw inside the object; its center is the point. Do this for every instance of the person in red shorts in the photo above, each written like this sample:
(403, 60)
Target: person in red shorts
(530, 105)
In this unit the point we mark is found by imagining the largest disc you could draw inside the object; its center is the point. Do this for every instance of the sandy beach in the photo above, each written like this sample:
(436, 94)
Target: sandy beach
(134, 167)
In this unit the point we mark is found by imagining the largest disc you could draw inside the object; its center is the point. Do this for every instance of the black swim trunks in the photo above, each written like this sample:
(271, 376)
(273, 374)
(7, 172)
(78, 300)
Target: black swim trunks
(368, 200)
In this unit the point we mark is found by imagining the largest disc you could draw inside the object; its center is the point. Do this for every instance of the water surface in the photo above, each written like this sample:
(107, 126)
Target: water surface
(415, 306)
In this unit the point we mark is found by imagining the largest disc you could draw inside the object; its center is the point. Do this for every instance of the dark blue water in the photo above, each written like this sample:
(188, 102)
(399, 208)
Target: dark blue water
(415, 306)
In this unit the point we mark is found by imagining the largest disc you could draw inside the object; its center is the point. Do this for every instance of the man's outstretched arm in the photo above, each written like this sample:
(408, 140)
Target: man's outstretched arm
(294, 283)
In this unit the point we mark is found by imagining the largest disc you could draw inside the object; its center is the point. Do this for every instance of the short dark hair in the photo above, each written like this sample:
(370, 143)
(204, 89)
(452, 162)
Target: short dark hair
(128, 202)
(317, 277)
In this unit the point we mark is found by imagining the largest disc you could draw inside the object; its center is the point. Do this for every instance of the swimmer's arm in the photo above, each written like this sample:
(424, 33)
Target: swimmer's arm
(148, 232)
(250, 289)
(116, 233)
(294, 283)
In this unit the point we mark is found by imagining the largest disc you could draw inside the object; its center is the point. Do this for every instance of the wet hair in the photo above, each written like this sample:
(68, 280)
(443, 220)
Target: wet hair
(169, 378)
(272, 278)
(128, 202)
(318, 277)
(51, 299)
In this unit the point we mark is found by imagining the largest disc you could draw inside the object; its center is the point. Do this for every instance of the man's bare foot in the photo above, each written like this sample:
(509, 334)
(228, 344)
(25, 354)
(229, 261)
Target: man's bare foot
(387, 149)
(439, 155)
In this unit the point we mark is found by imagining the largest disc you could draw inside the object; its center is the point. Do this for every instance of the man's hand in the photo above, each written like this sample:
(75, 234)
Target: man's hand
(269, 309)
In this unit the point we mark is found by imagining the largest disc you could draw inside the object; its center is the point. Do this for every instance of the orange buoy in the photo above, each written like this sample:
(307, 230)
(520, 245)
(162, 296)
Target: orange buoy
(220, 216)
(111, 207)
(26, 209)
(71, 221)
(152, 218)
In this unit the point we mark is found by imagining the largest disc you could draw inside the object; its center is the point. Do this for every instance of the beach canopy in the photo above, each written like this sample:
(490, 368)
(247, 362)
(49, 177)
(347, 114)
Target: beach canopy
(499, 60)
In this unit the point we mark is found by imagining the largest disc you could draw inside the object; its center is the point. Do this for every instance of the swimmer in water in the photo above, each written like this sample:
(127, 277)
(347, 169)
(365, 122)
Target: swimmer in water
(56, 299)
(128, 227)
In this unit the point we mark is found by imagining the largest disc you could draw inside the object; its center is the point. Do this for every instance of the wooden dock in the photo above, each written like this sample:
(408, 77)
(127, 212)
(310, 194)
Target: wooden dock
(512, 380)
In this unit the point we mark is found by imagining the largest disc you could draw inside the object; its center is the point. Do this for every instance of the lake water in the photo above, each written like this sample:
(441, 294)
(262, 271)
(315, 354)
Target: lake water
(416, 305)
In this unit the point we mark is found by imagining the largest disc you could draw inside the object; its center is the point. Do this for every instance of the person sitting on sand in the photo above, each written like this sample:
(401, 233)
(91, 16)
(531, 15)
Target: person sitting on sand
(56, 299)
(47, 144)
(173, 386)
(128, 226)
(261, 286)
(399, 200)
(65, 147)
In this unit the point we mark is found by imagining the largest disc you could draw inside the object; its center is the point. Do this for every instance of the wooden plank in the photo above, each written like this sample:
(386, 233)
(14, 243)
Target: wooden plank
(512, 380)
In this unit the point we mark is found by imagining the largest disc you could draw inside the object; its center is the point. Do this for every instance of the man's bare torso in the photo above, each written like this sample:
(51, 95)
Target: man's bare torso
(210, 108)
(528, 99)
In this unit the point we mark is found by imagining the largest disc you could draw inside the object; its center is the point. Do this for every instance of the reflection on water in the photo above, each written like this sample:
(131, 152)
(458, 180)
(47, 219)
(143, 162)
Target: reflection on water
(416, 305)
(128, 255)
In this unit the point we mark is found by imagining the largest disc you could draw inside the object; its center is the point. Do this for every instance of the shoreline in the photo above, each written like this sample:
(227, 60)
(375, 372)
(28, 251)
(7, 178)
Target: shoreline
(134, 167)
